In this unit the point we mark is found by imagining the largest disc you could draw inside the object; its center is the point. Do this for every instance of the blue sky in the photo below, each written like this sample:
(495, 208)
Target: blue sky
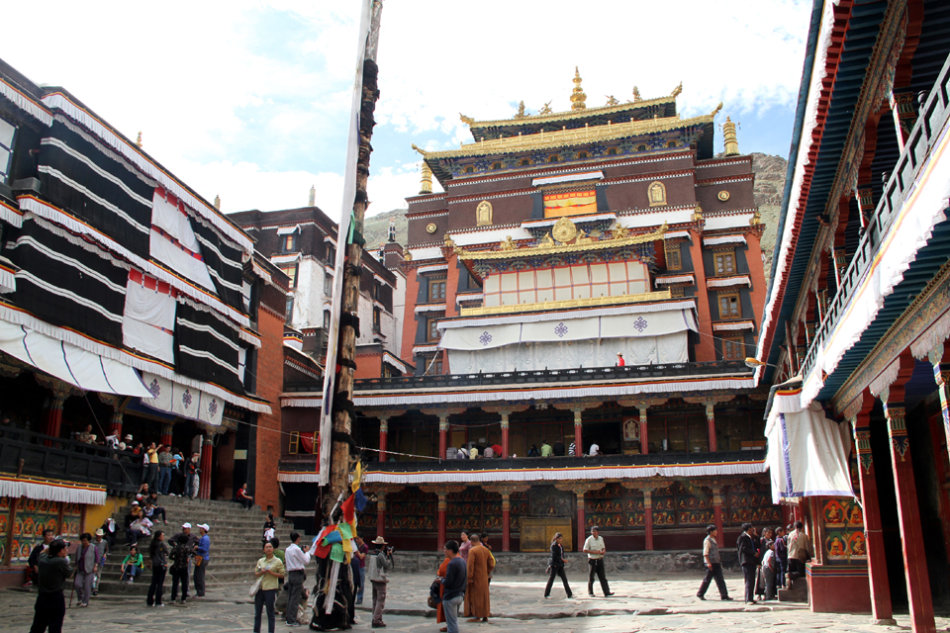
(249, 100)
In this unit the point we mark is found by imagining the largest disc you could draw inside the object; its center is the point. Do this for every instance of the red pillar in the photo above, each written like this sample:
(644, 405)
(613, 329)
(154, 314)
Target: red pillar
(505, 522)
(116, 428)
(717, 514)
(578, 437)
(442, 507)
(711, 428)
(383, 433)
(919, 598)
(381, 514)
(204, 486)
(648, 519)
(881, 608)
(443, 434)
(54, 415)
(581, 522)
(644, 439)
(166, 437)
(504, 436)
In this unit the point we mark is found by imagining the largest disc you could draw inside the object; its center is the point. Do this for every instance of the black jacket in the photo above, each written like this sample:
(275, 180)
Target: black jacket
(745, 547)
(557, 555)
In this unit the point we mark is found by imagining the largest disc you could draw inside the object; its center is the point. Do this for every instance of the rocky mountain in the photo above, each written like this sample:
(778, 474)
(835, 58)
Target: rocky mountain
(769, 185)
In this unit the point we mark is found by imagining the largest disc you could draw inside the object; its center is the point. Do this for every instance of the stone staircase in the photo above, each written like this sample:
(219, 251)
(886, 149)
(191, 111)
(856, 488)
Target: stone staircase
(235, 543)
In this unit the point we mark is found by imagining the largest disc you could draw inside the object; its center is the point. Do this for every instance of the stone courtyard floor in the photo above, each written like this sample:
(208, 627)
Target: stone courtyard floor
(665, 603)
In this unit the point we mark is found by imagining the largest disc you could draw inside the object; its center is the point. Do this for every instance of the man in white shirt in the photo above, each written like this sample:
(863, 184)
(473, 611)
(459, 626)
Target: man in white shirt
(295, 560)
(595, 549)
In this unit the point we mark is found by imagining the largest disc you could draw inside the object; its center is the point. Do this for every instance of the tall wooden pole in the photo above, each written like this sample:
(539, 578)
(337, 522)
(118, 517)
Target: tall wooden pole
(345, 363)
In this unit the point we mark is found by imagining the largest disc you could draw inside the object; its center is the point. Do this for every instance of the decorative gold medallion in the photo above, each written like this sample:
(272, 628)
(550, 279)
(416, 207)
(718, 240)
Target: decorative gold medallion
(723, 195)
(564, 230)
(483, 213)
(431, 227)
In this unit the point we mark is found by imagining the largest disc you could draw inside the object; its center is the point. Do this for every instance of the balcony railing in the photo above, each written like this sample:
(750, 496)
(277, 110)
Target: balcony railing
(41, 455)
(577, 374)
(555, 463)
(931, 120)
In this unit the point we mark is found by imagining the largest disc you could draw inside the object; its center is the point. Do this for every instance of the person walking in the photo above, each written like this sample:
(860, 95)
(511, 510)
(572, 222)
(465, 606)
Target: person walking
(50, 607)
(465, 545)
(270, 570)
(192, 470)
(87, 566)
(158, 554)
(101, 544)
(164, 470)
(453, 586)
(296, 560)
(748, 560)
(713, 563)
(479, 567)
(180, 555)
(595, 548)
(202, 558)
(440, 576)
(360, 552)
(557, 566)
(379, 561)
(781, 556)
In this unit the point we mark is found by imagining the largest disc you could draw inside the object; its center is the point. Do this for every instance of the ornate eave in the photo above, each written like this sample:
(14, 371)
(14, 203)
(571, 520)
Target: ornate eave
(567, 138)
(550, 247)
(537, 120)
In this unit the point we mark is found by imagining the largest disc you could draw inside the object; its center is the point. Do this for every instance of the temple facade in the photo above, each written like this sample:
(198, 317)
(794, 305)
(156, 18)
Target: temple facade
(587, 281)
(857, 319)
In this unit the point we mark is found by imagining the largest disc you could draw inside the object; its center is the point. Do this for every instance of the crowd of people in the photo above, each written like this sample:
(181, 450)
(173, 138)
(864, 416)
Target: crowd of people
(484, 450)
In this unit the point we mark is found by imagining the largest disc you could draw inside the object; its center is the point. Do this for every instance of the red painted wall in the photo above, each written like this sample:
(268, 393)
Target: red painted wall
(270, 377)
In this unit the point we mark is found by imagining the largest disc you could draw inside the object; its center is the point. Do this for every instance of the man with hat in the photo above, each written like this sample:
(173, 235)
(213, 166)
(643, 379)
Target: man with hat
(202, 558)
(378, 562)
(595, 549)
(102, 552)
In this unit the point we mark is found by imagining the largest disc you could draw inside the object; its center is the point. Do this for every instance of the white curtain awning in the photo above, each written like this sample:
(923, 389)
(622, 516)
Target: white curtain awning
(807, 452)
(84, 369)
(184, 401)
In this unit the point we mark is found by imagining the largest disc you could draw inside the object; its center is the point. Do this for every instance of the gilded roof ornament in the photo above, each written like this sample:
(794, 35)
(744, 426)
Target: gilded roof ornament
(697, 213)
(521, 113)
(138, 140)
(507, 244)
(547, 242)
(636, 94)
(718, 109)
(449, 242)
(547, 246)
(677, 90)
(618, 232)
(467, 120)
(418, 149)
(564, 230)
(578, 97)
(545, 109)
(611, 101)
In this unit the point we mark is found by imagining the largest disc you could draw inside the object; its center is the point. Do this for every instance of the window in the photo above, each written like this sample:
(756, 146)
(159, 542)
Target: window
(657, 194)
(294, 446)
(582, 155)
(432, 364)
(289, 308)
(436, 290)
(729, 307)
(291, 271)
(377, 319)
(524, 162)
(289, 243)
(554, 158)
(641, 148)
(672, 252)
(677, 291)
(725, 262)
(326, 319)
(612, 151)
(432, 324)
(496, 165)
(331, 254)
(328, 286)
(7, 132)
(733, 348)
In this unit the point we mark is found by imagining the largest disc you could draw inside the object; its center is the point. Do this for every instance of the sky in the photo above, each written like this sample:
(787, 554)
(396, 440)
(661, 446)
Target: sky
(249, 101)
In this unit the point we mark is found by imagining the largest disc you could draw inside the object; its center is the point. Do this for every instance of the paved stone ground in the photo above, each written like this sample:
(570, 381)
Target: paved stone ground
(663, 603)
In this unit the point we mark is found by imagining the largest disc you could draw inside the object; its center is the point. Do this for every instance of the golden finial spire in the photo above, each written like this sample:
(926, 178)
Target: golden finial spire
(425, 178)
(521, 113)
(217, 202)
(467, 120)
(612, 100)
(729, 137)
(578, 98)
(677, 90)
(312, 199)
(636, 94)
(138, 141)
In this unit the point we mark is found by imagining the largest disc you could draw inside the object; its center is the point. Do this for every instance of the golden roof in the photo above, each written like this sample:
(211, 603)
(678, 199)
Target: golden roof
(535, 119)
(576, 136)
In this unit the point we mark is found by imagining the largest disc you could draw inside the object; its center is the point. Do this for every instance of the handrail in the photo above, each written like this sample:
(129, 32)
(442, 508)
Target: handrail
(931, 120)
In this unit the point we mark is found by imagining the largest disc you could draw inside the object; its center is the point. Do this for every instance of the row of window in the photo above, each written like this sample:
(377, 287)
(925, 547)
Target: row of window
(557, 158)
(724, 260)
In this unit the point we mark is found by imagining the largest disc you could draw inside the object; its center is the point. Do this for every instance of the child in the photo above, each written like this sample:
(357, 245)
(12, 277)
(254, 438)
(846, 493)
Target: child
(768, 570)
(132, 565)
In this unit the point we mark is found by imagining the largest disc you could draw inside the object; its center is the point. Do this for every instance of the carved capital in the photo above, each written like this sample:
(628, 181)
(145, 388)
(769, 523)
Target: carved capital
(579, 488)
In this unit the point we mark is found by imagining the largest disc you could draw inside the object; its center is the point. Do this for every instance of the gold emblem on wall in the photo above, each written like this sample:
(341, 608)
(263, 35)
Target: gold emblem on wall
(564, 230)
(483, 213)
(431, 227)
(723, 195)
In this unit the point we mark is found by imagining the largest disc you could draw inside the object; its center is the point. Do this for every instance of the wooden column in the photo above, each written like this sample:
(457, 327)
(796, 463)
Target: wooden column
(54, 414)
(881, 608)
(204, 486)
(578, 431)
(644, 439)
(711, 426)
(383, 435)
(648, 518)
(504, 445)
(717, 513)
(443, 434)
(915, 559)
(117, 423)
(443, 504)
(579, 490)
(506, 522)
